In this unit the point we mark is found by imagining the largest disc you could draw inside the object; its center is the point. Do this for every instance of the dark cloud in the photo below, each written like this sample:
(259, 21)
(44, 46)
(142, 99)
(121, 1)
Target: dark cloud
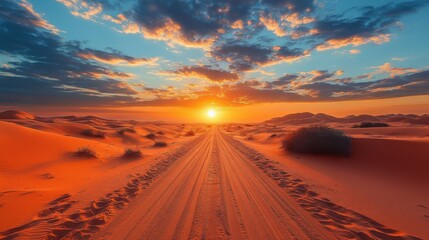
(296, 5)
(399, 86)
(373, 24)
(321, 75)
(181, 21)
(194, 23)
(114, 57)
(207, 72)
(285, 80)
(35, 91)
(244, 57)
(44, 61)
(22, 13)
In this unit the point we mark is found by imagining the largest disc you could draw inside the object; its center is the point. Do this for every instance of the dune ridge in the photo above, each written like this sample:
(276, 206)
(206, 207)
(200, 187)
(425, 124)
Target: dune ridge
(321, 118)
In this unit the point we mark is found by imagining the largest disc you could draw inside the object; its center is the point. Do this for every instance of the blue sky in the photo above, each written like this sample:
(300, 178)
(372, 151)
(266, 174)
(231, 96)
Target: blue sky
(183, 52)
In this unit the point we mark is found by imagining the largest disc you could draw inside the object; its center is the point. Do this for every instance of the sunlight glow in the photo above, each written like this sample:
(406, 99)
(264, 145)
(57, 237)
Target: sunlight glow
(211, 113)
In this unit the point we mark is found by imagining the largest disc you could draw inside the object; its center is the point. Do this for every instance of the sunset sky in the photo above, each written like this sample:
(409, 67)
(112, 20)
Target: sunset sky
(247, 59)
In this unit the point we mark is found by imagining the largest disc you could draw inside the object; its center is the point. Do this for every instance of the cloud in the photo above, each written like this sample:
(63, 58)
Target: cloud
(178, 22)
(190, 23)
(22, 12)
(84, 9)
(295, 20)
(45, 66)
(206, 72)
(353, 41)
(372, 25)
(131, 28)
(394, 86)
(115, 58)
(285, 80)
(120, 18)
(393, 71)
(354, 51)
(272, 25)
(245, 57)
(295, 5)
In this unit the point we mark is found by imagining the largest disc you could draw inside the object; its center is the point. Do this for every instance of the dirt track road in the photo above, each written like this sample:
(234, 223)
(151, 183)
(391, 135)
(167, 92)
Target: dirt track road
(213, 192)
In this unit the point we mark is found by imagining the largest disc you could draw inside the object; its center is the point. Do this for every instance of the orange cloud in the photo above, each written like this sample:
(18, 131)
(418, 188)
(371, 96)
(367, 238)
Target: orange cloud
(237, 24)
(131, 28)
(83, 9)
(113, 59)
(354, 41)
(120, 18)
(204, 72)
(354, 51)
(392, 71)
(294, 20)
(171, 33)
(272, 25)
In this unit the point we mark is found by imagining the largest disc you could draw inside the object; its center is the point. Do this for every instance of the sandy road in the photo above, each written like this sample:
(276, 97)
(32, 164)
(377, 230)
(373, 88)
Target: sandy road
(213, 192)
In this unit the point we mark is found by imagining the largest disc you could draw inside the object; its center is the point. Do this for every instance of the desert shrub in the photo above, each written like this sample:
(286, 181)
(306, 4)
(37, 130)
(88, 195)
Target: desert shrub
(124, 130)
(132, 153)
(190, 133)
(160, 144)
(93, 133)
(151, 136)
(160, 132)
(274, 135)
(318, 140)
(86, 152)
(370, 124)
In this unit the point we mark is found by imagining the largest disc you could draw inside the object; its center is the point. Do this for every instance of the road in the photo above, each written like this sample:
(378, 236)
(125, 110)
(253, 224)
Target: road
(213, 191)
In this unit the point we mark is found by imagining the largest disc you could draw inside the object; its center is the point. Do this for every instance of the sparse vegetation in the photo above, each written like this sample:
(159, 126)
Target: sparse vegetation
(160, 144)
(318, 140)
(274, 135)
(132, 153)
(151, 136)
(370, 125)
(190, 133)
(93, 133)
(125, 130)
(86, 152)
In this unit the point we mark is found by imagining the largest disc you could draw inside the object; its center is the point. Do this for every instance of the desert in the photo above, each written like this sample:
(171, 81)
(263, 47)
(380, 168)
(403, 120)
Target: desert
(209, 180)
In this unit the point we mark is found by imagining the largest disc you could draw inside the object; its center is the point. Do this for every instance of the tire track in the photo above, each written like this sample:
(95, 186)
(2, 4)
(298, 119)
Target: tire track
(53, 223)
(339, 220)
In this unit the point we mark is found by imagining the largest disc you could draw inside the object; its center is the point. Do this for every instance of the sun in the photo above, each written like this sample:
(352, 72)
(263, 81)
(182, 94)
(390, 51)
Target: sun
(211, 113)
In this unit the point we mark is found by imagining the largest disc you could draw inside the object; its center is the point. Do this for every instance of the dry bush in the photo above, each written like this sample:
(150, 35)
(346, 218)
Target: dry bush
(160, 144)
(150, 136)
(125, 130)
(132, 153)
(190, 133)
(318, 140)
(370, 125)
(85, 152)
(93, 133)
